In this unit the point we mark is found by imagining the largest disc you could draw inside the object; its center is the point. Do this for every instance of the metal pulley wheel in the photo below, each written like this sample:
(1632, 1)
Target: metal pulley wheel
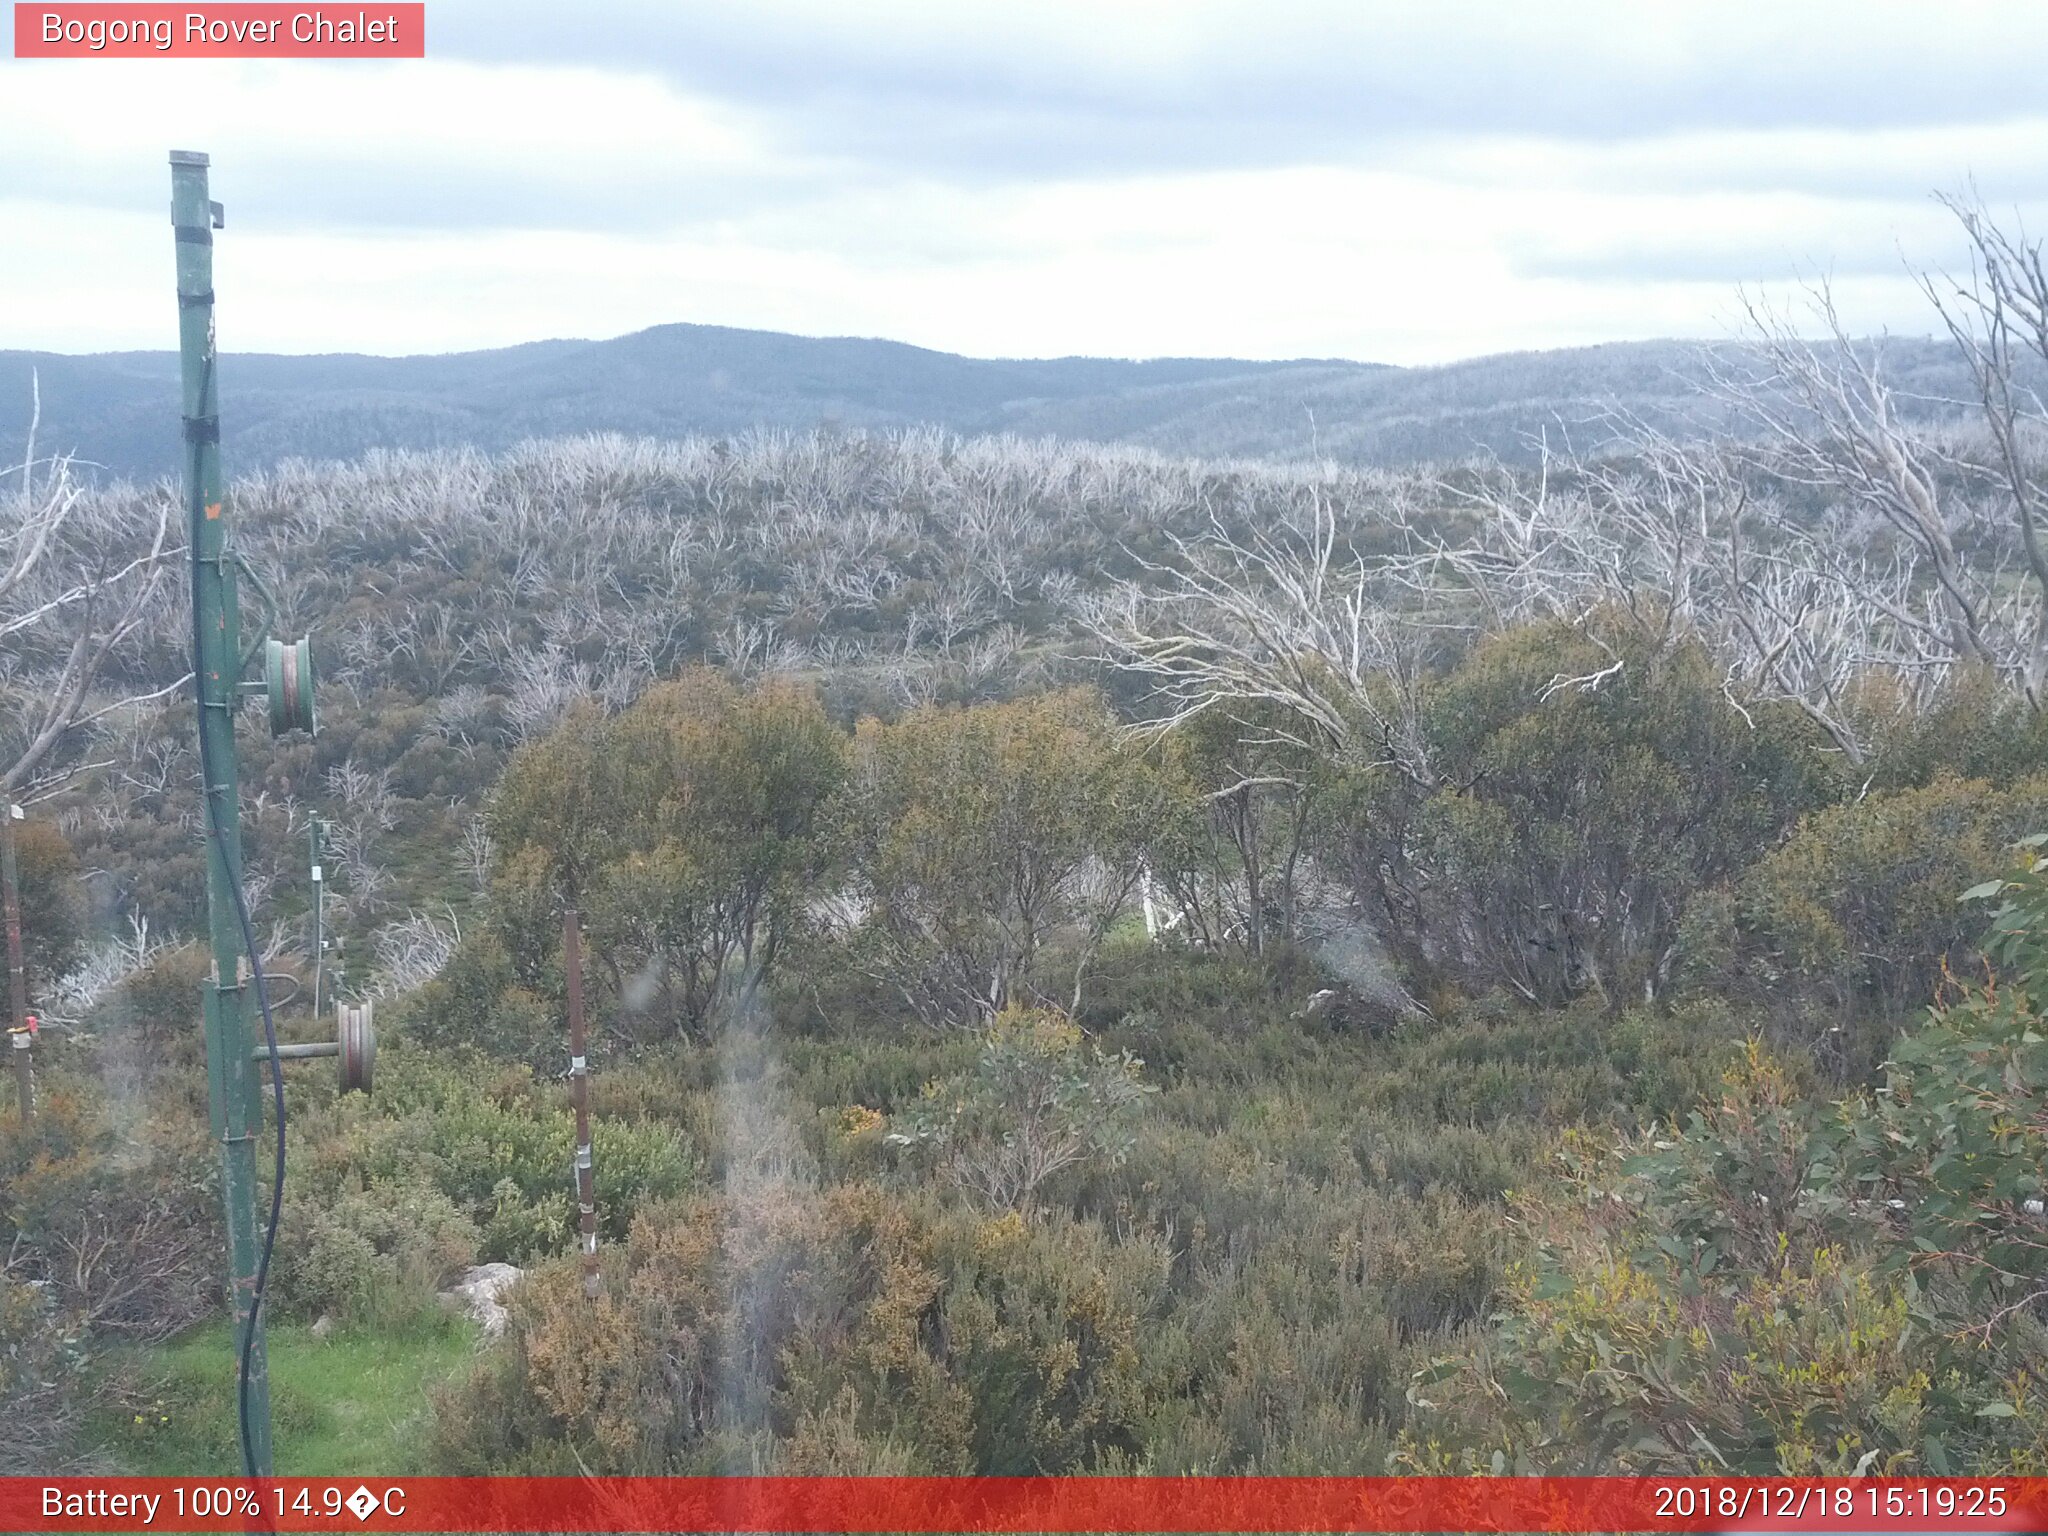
(288, 675)
(358, 1041)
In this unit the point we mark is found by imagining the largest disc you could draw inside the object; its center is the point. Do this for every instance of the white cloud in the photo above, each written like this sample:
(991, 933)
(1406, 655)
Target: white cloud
(1404, 184)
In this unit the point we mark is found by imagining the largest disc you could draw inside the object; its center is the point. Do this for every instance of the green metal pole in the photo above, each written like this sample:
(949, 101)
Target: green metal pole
(232, 1080)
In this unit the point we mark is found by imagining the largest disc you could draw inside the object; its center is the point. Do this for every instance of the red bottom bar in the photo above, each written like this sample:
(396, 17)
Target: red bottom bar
(1024, 1504)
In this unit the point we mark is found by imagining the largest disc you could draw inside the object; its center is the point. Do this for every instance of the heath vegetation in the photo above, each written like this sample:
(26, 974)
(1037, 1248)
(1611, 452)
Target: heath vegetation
(1097, 961)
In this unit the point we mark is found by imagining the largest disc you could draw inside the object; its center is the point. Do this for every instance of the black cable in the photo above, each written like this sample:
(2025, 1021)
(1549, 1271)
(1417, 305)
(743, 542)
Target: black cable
(208, 790)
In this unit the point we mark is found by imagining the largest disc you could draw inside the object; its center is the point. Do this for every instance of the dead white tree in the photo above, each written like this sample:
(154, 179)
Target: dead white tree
(413, 951)
(1673, 541)
(544, 683)
(1826, 416)
(79, 578)
(1799, 630)
(100, 968)
(1998, 318)
(1286, 622)
(478, 853)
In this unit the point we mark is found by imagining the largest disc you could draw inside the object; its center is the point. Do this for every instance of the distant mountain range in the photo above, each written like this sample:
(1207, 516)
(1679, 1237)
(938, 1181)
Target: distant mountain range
(119, 409)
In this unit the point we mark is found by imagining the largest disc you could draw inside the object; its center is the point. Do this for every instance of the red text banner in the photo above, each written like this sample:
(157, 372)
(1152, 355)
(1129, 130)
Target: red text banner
(209, 31)
(1015, 1505)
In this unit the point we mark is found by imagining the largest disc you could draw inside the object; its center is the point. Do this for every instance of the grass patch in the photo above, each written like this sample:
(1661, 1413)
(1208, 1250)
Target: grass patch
(347, 1405)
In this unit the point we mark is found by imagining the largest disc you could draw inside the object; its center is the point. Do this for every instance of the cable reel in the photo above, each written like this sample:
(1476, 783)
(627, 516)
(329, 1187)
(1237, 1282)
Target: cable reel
(354, 1046)
(358, 1042)
(288, 679)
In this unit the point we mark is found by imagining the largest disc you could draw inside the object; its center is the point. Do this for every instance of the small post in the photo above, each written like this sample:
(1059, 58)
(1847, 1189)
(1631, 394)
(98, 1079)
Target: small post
(579, 1093)
(18, 1037)
(319, 891)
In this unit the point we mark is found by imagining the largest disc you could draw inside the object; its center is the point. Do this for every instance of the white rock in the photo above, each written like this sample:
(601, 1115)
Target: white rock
(1317, 1002)
(478, 1290)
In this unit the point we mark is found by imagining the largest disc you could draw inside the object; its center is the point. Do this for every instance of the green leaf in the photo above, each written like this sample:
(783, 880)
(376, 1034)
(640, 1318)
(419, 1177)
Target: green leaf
(1998, 1411)
(1982, 890)
(1936, 1455)
(1438, 1370)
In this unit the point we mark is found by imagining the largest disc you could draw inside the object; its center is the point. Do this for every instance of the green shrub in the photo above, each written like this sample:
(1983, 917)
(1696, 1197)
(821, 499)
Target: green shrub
(477, 1002)
(1565, 827)
(1169, 1000)
(1974, 727)
(1858, 910)
(375, 1256)
(115, 1210)
(1956, 1141)
(691, 829)
(143, 1041)
(835, 1329)
(1042, 1334)
(1811, 1367)
(1772, 1291)
(1477, 1164)
(1670, 1059)
(519, 1228)
(978, 836)
(499, 1146)
(1227, 825)
(52, 901)
(44, 1385)
(1036, 1103)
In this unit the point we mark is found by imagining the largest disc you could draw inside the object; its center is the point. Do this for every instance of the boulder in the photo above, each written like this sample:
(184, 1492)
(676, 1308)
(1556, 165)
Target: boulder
(477, 1291)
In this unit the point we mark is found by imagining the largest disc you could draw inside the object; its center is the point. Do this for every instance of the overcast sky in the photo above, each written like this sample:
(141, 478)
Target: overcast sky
(1410, 182)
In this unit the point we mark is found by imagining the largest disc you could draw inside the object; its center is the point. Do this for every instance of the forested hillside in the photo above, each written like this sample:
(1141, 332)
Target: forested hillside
(678, 380)
(1099, 961)
(670, 381)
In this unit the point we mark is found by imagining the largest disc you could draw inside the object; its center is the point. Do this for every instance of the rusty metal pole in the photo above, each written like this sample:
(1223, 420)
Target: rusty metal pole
(579, 1093)
(18, 1037)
